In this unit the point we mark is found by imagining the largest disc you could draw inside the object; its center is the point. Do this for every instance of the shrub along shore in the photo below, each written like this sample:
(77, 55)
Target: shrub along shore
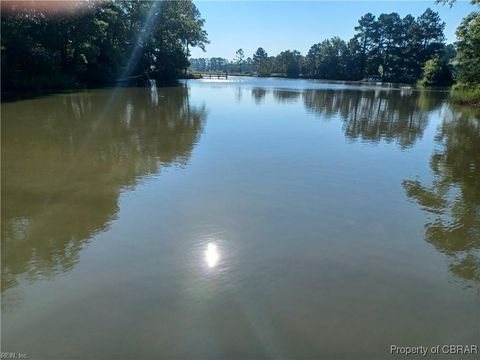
(466, 95)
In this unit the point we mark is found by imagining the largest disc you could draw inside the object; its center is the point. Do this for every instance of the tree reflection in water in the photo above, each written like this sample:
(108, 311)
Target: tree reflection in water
(258, 95)
(286, 96)
(399, 115)
(65, 162)
(453, 198)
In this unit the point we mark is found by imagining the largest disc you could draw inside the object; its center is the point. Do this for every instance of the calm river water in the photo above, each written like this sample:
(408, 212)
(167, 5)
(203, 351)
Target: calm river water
(248, 218)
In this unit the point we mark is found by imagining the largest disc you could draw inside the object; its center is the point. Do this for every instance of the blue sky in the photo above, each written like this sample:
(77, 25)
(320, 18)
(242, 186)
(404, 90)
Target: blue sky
(281, 25)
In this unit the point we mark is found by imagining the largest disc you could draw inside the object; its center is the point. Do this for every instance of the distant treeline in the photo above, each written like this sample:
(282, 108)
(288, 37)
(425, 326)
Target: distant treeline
(51, 45)
(387, 48)
(55, 45)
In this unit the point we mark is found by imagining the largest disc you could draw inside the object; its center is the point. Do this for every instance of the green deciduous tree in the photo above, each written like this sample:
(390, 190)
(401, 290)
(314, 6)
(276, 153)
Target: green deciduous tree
(436, 72)
(97, 43)
(468, 49)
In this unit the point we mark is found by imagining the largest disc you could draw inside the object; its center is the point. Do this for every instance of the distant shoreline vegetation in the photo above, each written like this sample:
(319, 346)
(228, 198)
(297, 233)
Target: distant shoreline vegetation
(388, 48)
(384, 49)
(64, 45)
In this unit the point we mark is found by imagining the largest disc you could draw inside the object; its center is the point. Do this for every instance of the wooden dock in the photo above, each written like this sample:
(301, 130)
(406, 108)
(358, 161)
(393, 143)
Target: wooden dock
(214, 75)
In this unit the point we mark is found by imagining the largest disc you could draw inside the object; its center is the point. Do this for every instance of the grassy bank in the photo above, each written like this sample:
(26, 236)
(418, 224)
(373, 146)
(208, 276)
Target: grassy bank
(466, 94)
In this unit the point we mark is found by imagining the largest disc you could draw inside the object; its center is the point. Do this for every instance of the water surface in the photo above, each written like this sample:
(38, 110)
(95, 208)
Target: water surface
(248, 218)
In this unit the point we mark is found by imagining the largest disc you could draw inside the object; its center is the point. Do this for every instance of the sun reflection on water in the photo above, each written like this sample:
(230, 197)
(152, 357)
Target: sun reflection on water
(211, 255)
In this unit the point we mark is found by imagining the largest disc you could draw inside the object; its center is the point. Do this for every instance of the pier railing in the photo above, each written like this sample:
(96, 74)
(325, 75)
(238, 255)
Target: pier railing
(214, 75)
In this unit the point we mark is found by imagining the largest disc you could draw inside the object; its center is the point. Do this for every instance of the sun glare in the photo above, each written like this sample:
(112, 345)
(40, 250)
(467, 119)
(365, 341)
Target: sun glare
(211, 255)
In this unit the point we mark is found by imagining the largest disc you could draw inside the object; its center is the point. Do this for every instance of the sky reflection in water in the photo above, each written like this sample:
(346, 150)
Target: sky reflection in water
(348, 215)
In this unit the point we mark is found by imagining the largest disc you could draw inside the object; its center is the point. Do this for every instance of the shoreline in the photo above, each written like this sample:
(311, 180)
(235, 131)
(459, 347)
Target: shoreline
(459, 94)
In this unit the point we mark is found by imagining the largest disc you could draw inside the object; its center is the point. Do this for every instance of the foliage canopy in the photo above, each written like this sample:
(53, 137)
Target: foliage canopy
(99, 43)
